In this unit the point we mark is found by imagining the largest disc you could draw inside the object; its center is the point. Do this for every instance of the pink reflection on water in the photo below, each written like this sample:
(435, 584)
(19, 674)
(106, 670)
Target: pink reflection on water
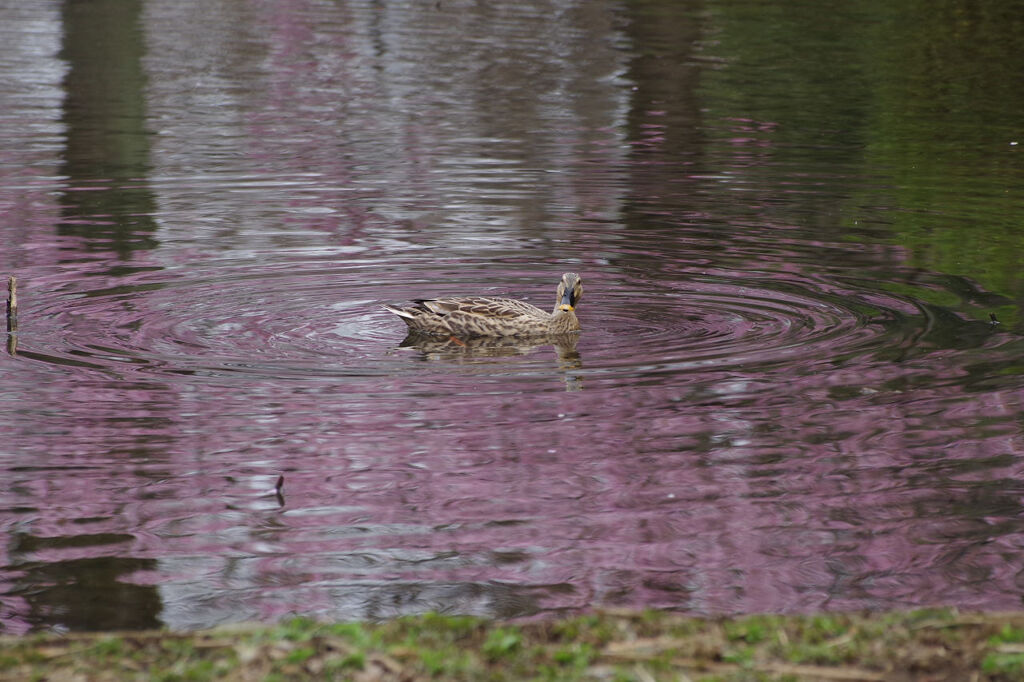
(627, 498)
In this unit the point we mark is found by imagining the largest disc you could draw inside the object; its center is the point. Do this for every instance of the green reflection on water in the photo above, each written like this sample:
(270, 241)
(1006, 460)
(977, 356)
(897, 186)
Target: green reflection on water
(947, 110)
(906, 111)
(106, 156)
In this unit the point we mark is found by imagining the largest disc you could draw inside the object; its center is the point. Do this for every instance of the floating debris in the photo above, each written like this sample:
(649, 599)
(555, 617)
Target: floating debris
(279, 489)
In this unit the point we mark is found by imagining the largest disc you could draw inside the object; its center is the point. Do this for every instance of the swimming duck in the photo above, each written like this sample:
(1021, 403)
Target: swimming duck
(480, 316)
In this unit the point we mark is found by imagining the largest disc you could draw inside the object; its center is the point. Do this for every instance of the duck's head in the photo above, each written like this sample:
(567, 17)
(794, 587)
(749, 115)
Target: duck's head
(570, 291)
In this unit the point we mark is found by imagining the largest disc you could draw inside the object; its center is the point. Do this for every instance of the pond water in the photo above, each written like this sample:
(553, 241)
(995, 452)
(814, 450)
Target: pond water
(793, 223)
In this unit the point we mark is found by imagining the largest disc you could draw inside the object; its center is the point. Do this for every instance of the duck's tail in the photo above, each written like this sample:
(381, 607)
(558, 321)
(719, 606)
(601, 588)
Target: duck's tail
(404, 314)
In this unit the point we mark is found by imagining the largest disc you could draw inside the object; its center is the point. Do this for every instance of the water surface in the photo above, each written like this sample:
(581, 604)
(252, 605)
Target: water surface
(793, 225)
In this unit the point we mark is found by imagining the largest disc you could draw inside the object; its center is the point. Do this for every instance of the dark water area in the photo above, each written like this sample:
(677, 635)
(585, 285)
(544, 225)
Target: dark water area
(793, 221)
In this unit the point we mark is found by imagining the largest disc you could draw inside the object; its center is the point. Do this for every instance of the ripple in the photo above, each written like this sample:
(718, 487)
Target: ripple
(732, 320)
(310, 319)
(269, 322)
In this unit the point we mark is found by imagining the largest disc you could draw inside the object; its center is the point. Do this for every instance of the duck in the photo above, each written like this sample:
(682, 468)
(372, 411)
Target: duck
(486, 317)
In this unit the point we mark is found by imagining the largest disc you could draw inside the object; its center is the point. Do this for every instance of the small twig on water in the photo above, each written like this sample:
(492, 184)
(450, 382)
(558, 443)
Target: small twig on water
(279, 490)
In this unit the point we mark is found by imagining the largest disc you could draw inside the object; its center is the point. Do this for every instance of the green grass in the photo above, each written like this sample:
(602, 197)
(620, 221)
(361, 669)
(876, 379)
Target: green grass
(643, 646)
(501, 642)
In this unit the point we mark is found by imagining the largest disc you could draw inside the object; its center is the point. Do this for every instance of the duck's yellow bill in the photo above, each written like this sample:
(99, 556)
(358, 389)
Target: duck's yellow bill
(565, 307)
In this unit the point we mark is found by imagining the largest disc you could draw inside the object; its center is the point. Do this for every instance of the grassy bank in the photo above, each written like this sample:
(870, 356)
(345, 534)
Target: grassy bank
(921, 645)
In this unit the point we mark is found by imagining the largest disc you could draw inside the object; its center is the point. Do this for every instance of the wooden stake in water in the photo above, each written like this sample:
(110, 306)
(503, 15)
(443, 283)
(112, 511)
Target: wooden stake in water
(12, 315)
(12, 304)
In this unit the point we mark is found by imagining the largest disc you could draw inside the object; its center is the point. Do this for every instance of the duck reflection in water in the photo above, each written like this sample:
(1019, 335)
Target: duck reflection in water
(451, 349)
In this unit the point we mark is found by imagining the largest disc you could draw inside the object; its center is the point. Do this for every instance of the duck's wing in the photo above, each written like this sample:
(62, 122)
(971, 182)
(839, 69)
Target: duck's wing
(482, 307)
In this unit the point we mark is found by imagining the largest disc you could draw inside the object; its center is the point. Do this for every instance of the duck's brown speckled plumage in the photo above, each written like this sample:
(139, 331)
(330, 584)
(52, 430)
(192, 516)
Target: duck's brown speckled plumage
(480, 316)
